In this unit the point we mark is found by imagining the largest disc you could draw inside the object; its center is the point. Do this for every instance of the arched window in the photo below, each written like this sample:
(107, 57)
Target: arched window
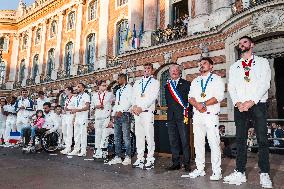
(22, 70)
(50, 62)
(71, 20)
(92, 10)
(25, 42)
(37, 37)
(68, 58)
(122, 35)
(53, 27)
(35, 67)
(2, 72)
(5, 45)
(163, 81)
(91, 51)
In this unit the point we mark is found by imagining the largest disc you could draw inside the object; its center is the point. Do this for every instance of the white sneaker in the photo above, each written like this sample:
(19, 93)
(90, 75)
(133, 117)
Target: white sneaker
(83, 153)
(139, 163)
(236, 178)
(126, 161)
(265, 180)
(197, 173)
(149, 165)
(216, 176)
(115, 160)
(73, 153)
(65, 151)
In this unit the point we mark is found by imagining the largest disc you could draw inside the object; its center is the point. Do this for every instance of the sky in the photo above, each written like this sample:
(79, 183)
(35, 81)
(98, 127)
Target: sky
(12, 4)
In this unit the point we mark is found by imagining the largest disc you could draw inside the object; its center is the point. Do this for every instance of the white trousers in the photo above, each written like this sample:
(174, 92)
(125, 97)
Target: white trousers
(2, 128)
(207, 125)
(67, 129)
(10, 126)
(144, 127)
(80, 133)
(22, 121)
(102, 133)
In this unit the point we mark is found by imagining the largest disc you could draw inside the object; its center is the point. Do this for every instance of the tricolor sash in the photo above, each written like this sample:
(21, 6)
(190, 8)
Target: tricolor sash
(179, 100)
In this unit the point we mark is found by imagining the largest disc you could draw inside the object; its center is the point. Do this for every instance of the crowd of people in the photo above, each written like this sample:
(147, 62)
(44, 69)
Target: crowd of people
(249, 81)
(172, 32)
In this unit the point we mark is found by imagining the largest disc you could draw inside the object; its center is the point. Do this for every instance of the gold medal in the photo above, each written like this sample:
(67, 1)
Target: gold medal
(247, 79)
(142, 95)
(203, 95)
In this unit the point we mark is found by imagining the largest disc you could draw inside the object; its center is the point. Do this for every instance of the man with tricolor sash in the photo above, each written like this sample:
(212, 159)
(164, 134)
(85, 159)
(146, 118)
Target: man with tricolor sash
(176, 95)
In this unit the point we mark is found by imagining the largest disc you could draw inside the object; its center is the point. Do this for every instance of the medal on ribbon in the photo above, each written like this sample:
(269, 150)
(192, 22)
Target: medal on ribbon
(144, 87)
(179, 100)
(247, 68)
(102, 100)
(120, 93)
(203, 87)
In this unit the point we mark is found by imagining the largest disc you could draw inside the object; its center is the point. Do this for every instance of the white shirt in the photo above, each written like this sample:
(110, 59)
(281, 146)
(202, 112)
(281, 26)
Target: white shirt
(26, 104)
(40, 103)
(51, 122)
(215, 88)
(70, 103)
(148, 100)
(106, 98)
(122, 99)
(80, 103)
(10, 108)
(255, 90)
(58, 119)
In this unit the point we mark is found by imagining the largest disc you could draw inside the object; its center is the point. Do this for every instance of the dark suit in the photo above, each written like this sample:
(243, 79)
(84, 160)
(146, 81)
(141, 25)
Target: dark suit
(177, 130)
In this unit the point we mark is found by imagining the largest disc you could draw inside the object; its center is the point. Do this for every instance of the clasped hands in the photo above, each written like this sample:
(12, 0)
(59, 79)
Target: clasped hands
(245, 106)
(136, 110)
(200, 107)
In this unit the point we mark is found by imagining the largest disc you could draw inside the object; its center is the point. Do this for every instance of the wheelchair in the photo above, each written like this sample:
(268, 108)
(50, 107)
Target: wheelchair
(49, 142)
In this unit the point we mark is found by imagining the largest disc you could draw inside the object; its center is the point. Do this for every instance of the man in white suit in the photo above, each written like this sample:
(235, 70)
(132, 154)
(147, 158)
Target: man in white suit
(102, 104)
(145, 94)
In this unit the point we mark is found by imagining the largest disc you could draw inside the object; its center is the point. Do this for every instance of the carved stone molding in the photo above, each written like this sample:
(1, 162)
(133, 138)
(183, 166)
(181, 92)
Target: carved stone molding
(269, 19)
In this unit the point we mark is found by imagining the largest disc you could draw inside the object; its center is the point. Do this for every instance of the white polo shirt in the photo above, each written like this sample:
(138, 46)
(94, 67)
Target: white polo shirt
(215, 88)
(123, 99)
(257, 88)
(80, 103)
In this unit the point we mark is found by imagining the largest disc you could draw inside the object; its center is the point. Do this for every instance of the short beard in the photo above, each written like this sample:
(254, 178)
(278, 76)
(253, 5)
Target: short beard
(245, 50)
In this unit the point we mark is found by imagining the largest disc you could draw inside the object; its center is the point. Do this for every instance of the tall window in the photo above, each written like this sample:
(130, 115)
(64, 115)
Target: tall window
(91, 51)
(92, 10)
(71, 20)
(22, 70)
(53, 26)
(35, 67)
(122, 32)
(50, 62)
(25, 42)
(38, 33)
(121, 2)
(68, 58)
(5, 45)
(2, 72)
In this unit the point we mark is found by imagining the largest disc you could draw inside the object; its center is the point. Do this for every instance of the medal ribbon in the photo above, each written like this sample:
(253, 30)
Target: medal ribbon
(79, 98)
(102, 100)
(120, 93)
(203, 88)
(244, 64)
(68, 101)
(144, 88)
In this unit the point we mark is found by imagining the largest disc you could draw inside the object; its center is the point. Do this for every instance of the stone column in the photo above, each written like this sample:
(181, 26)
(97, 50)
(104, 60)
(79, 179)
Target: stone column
(76, 62)
(58, 46)
(42, 52)
(221, 11)
(168, 12)
(150, 21)
(102, 40)
(201, 20)
(27, 60)
(14, 62)
(136, 13)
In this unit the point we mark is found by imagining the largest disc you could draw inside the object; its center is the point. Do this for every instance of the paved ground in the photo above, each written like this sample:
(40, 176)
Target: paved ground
(45, 171)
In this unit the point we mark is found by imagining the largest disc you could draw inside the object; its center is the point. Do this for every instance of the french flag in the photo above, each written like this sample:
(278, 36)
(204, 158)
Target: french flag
(14, 137)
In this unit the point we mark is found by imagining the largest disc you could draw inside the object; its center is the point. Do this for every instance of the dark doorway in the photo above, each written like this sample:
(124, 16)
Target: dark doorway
(279, 83)
(180, 8)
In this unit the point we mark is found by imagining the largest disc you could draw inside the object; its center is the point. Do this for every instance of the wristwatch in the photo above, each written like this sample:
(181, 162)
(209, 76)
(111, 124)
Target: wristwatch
(204, 104)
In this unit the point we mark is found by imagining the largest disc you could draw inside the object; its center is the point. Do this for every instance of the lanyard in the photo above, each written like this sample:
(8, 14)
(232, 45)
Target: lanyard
(79, 98)
(120, 93)
(68, 101)
(203, 88)
(144, 87)
(247, 66)
(102, 100)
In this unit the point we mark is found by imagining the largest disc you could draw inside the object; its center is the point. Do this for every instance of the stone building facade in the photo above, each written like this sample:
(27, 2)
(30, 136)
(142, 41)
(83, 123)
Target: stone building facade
(54, 43)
